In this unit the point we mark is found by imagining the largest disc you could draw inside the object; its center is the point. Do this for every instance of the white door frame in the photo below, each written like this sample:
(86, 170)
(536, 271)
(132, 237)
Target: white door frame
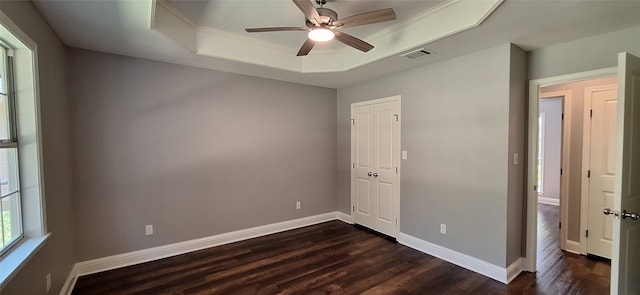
(396, 205)
(532, 162)
(564, 165)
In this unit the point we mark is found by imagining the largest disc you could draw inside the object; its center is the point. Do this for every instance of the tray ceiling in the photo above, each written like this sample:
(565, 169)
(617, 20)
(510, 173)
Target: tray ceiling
(209, 33)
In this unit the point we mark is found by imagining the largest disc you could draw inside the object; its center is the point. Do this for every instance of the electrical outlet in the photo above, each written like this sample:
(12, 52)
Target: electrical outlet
(443, 228)
(298, 205)
(48, 282)
(148, 229)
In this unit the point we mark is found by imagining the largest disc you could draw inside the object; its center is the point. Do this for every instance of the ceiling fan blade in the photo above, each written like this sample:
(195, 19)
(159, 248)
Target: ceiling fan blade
(353, 41)
(276, 29)
(309, 10)
(306, 47)
(370, 17)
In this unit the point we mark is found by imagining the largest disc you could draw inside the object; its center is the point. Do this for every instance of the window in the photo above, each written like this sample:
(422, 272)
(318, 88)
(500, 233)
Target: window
(541, 126)
(23, 228)
(11, 219)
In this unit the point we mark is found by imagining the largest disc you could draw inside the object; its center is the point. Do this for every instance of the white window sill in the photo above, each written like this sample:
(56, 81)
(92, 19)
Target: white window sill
(17, 257)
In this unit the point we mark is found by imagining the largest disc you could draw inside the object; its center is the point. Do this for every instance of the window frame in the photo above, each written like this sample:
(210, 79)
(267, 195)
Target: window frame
(11, 142)
(28, 125)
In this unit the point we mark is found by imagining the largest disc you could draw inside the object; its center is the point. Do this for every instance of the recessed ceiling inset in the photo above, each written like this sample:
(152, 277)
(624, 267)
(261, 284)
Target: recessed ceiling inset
(411, 30)
(322, 25)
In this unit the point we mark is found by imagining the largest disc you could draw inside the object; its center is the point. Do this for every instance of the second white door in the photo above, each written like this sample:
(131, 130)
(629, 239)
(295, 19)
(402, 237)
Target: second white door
(602, 167)
(375, 155)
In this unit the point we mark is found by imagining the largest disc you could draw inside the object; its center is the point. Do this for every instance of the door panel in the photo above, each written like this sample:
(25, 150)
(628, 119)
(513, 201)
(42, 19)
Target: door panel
(385, 198)
(376, 154)
(363, 196)
(384, 117)
(625, 266)
(363, 136)
(609, 152)
(602, 167)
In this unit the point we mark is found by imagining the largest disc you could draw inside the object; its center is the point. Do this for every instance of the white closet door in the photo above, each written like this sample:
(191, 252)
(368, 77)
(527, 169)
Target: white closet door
(375, 147)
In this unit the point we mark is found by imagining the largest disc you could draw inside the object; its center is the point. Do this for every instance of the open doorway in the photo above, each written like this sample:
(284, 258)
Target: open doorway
(550, 156)
(550, 150)
(565, 169)
(560, 222)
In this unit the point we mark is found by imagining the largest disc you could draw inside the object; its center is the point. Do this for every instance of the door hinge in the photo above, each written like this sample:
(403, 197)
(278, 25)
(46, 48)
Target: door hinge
(354, 165)
(353, 121)
(535, 188)
(559, 224)
(587, 234)
(562, 116)
(396, 115)
(588, 173)
(396, 221)
(590, 113)
(353, 208)
(396, 170)
(560, 171)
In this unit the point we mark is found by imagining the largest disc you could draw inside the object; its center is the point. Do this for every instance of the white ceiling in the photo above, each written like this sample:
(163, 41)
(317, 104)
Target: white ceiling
(127, 27)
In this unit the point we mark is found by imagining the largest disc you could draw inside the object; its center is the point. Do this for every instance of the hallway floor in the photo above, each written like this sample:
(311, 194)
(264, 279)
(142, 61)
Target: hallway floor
(561, 272)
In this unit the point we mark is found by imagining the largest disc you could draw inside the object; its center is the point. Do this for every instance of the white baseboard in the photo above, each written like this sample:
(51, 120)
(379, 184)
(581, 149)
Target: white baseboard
(515, 269)
(67, 288)
(155, 253)
(549, 201)
(573, 247)
(346, 218)
(495, 272)
(471, 263)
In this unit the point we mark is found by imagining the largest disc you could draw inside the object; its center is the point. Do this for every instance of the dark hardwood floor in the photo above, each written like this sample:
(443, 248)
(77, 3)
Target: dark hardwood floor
(562, 272)
(337, 258)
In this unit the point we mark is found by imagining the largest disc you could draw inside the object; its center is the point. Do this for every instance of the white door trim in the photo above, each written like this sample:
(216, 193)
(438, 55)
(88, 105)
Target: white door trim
(396, 205)
(532, 154)
(378, 100)
(565, 163)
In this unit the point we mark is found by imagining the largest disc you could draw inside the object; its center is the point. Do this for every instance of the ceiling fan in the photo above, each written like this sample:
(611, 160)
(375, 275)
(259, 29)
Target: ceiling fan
(323, 24)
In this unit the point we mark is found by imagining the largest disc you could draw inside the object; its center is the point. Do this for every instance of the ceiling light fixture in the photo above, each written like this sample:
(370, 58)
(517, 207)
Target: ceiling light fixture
(321, 35)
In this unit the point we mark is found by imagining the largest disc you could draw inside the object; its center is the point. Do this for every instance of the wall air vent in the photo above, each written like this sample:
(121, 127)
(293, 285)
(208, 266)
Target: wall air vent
(417, 53)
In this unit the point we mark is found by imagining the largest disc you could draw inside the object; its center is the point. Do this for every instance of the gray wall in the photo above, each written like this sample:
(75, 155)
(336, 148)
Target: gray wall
(575, 111)
(193, 152)
(592, 53)
(516, 199)
(552, 109)
(586, 54)
(57, 255)
(455, 128)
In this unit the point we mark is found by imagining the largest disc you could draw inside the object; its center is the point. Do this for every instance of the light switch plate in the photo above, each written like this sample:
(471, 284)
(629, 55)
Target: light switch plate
(404, 155)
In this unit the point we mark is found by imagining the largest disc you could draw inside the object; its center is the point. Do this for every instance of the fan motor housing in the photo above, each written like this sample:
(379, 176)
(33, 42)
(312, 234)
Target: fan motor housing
(326, 16)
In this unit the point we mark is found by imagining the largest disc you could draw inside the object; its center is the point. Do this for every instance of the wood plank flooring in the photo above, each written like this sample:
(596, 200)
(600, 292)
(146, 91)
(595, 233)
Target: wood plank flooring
(561, 272)
(337, 258)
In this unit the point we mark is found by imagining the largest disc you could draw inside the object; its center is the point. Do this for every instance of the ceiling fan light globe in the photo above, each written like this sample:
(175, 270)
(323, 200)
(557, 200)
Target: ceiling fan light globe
(321, 35)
